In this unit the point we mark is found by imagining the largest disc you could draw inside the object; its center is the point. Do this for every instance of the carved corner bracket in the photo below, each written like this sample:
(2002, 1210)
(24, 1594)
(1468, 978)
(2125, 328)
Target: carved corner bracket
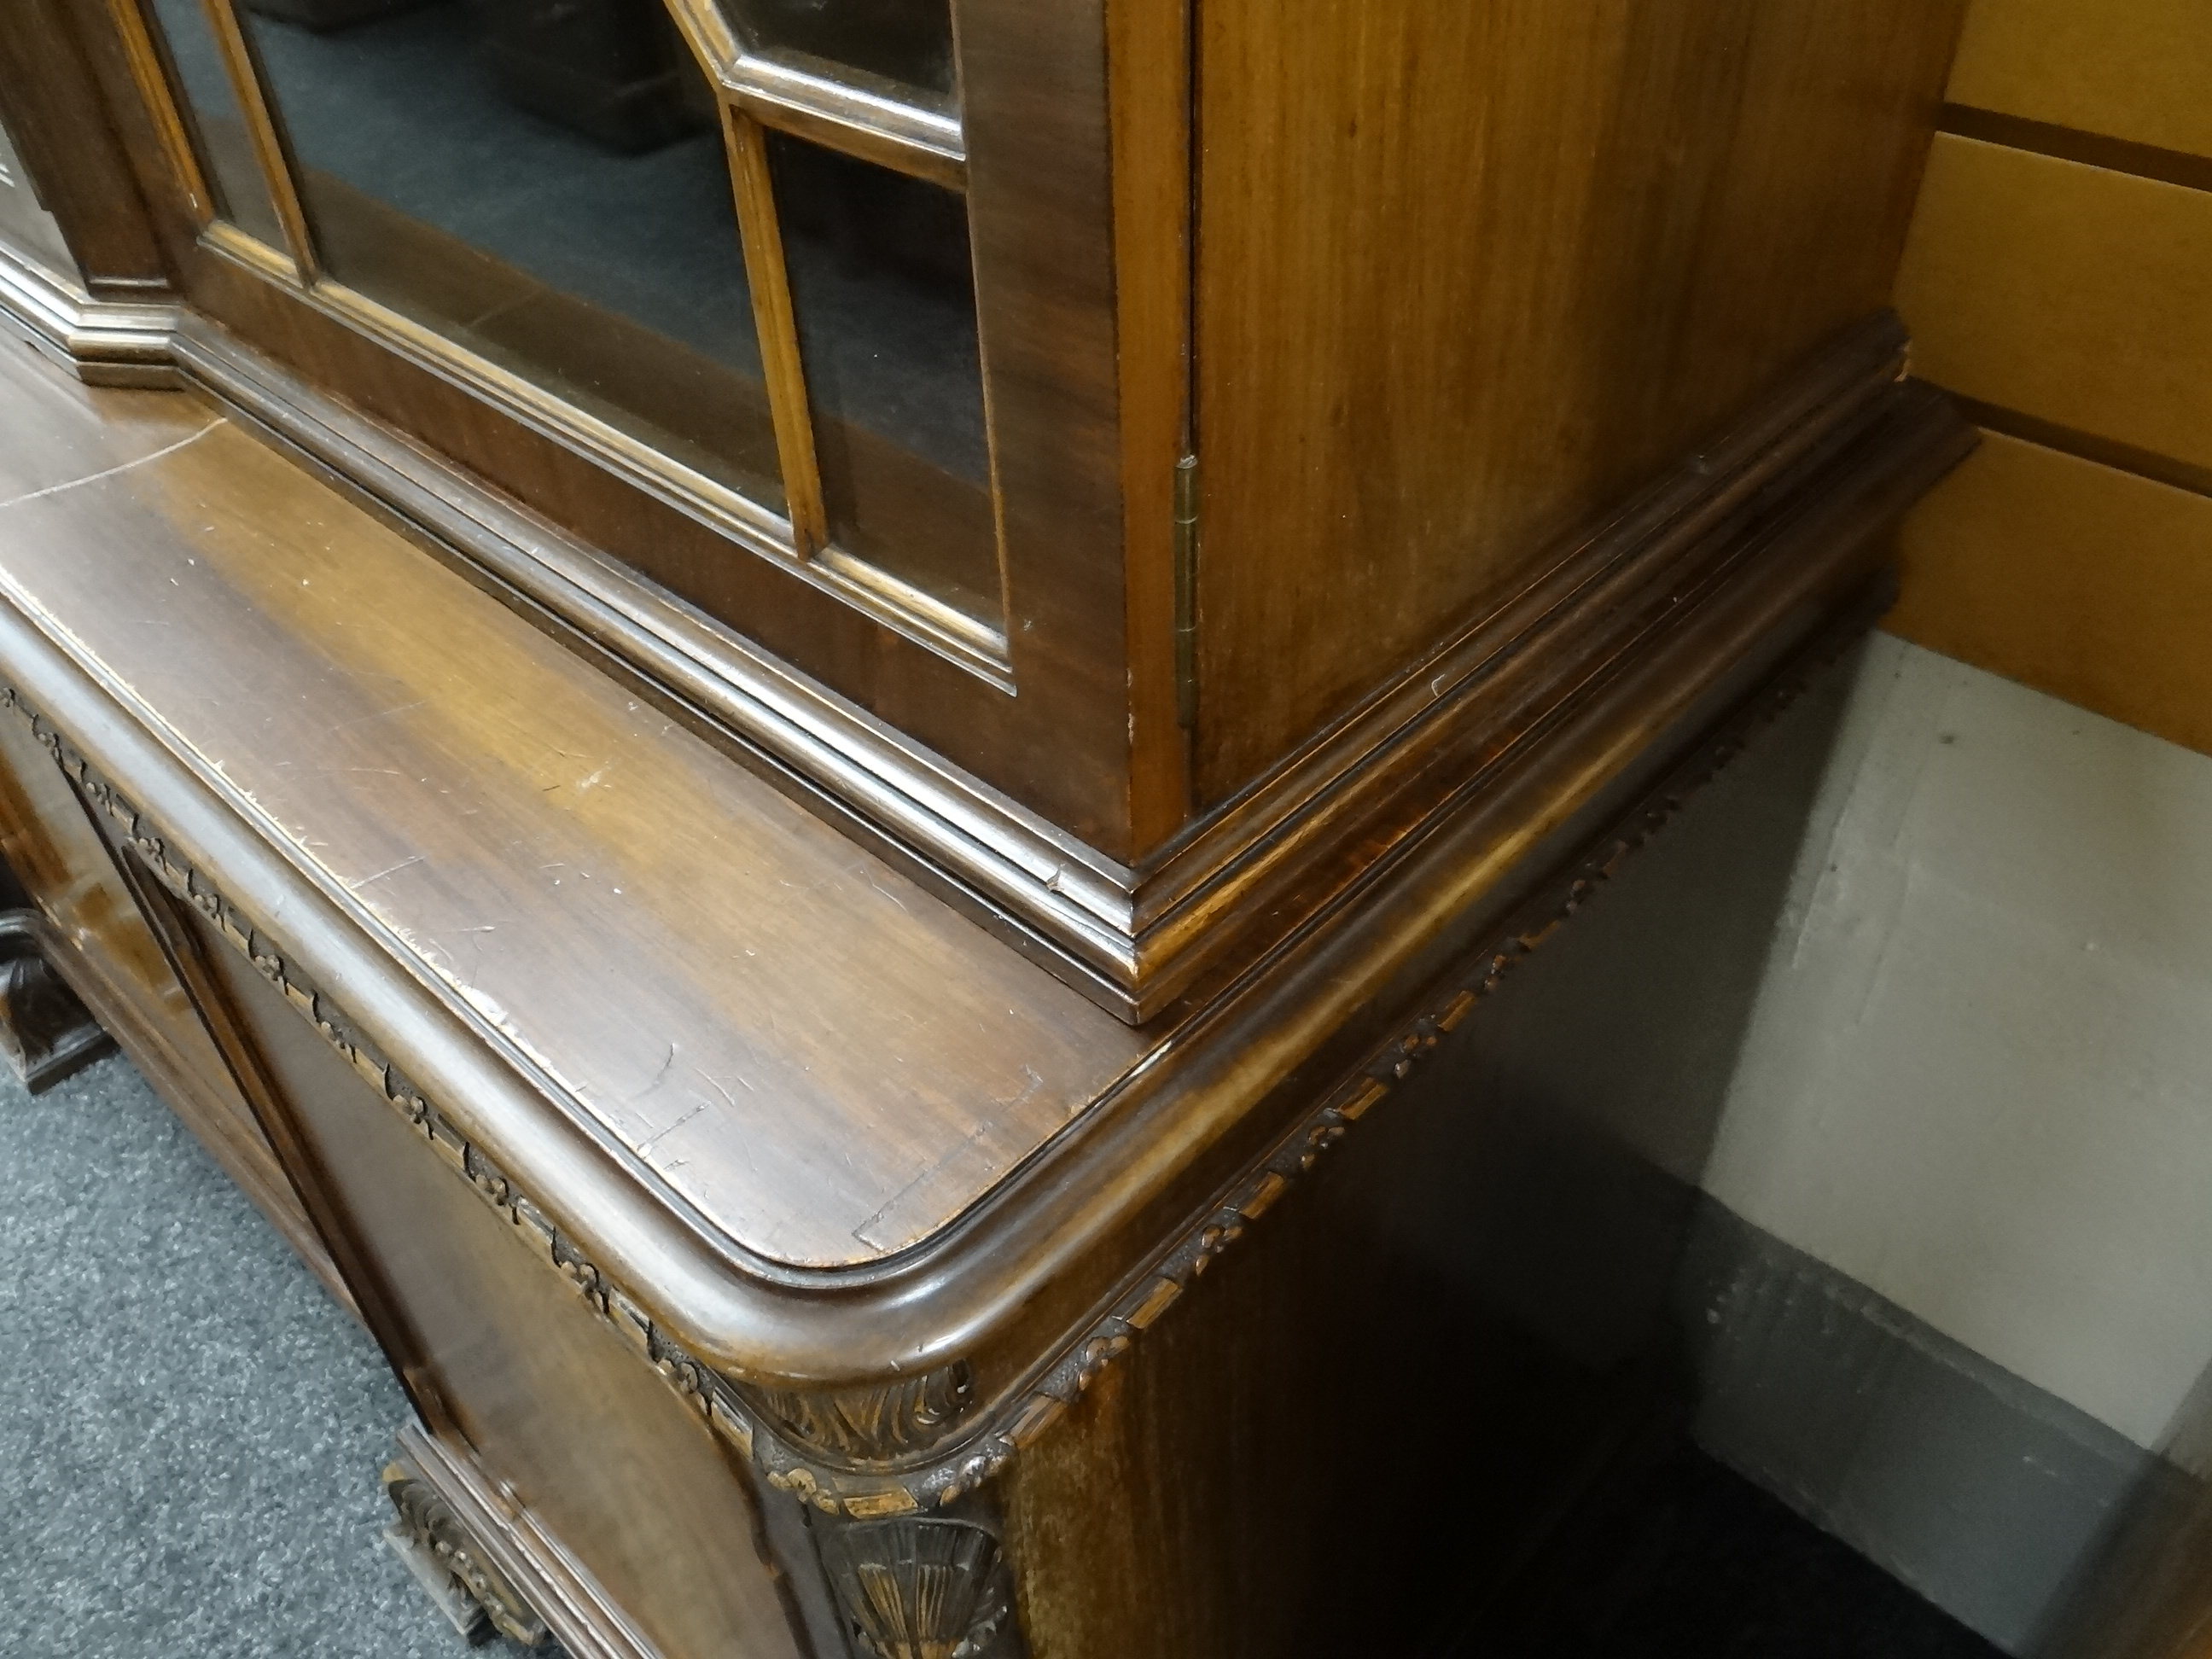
(920, 1587)
(45, 1034)
(474, 1594)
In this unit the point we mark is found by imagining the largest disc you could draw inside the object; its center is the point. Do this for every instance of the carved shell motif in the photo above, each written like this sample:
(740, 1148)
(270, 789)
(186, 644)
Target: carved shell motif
(919, 1589)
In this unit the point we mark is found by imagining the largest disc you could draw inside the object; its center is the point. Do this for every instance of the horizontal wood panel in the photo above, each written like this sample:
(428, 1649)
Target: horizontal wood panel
(2068, 292)
(2139, 70)
(2077, 579)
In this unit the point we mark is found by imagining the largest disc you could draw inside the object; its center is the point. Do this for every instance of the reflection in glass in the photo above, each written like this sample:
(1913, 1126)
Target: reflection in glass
(884, 290)
(545, 184)
(908, 40)
(210, 107)
(24, 222)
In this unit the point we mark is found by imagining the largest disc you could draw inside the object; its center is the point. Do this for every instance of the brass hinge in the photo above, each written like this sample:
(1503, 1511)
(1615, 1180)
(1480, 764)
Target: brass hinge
(1186, 592)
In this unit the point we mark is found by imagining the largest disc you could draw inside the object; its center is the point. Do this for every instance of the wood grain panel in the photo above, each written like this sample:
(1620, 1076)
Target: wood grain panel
(48, 85)
(1470, 272)
(820, 1025)
(2068, 292)
(2139, 70)
(580, 1433)
(2079, 580)
(125, 979)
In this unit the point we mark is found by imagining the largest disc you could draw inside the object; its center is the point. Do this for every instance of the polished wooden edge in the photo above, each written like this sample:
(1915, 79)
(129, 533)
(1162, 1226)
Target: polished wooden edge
(222, 237)
(961, 1346)
(102, 342)
(847, 109)
(760, 228)
(264, 126)
(843, 113)
(527, 1561)
(143, 59)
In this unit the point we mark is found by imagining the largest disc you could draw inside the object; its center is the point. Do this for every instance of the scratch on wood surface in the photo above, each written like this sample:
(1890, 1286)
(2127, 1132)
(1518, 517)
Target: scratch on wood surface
(379, 714)
(356, 886)
(109, 473)
(724, 1092)
(645, 1146)
(937, 1167)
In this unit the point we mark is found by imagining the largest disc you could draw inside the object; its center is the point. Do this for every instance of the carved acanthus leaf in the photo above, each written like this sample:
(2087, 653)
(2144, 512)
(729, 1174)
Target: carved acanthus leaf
(875, 1423)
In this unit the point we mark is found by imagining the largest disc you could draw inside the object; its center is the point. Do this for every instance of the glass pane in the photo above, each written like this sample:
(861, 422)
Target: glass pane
(908, 40)
(24, 222)
(884, 293)
(545, 183)
(210, 110)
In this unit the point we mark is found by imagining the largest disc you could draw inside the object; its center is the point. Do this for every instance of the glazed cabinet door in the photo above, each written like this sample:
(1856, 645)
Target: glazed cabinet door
(833, 322)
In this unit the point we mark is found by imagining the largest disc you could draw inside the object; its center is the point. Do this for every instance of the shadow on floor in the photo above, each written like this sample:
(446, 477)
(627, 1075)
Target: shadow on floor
(1694, 1562)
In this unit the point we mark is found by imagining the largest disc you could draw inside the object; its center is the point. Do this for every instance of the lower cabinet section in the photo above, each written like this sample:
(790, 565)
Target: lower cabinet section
(1337, 1437)
(91, 931)
(566, 1435)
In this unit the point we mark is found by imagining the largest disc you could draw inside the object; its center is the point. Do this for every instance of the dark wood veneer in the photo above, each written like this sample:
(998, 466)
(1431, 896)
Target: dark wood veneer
(555, 899)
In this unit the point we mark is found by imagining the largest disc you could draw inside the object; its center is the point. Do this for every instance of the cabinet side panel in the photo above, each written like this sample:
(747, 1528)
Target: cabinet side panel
(1344, 1437)
(574, 1428)
(1469, 273)
(73, 150)
(119, 966)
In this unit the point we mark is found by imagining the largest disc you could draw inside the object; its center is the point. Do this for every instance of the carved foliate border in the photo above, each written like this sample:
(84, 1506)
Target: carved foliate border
(897, 1418)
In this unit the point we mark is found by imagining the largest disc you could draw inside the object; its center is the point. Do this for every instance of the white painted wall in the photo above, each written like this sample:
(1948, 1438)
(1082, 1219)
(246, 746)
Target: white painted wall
(1978, 1076)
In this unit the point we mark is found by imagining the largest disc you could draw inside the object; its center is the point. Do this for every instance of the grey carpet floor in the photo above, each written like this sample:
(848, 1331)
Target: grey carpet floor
(191, 1429)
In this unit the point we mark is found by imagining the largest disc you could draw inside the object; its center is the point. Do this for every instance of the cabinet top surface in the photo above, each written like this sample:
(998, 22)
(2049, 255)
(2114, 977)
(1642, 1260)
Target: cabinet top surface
(822, 1060)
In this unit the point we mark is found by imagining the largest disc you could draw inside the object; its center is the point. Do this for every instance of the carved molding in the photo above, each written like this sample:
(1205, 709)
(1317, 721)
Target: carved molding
(776, 1429)
(101, 342)
(921, 1587)
(876, 1423)
(775, 1439)
(433, 1528)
